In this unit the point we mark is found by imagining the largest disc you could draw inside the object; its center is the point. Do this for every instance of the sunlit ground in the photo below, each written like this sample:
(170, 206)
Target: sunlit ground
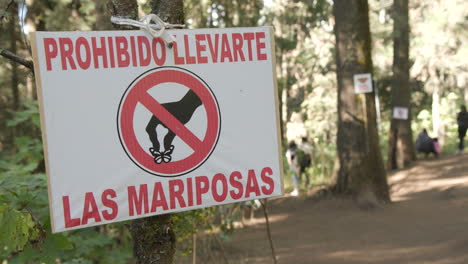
(426, 224)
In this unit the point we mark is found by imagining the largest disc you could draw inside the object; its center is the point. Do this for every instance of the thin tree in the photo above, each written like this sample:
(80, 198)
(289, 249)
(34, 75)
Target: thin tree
(401, 151)
(359, 164)
(153, 237)
(14, 66)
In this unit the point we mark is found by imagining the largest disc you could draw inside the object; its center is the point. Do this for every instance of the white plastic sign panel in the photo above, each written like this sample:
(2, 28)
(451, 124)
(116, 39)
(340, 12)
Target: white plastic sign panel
(362, 83)
(133, 127)
(400, 113)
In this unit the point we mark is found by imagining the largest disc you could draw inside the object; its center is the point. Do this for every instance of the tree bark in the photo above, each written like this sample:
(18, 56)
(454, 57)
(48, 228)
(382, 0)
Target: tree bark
(401, 151)
(360, 165)
(153, 237)
(123, 8)
(436, 126)
(170, 11)
(14, 65)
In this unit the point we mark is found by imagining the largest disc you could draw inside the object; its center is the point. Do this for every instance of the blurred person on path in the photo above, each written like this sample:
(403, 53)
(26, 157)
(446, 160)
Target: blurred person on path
(291, 157)
(462, 121)
(305, 160)
(425, 144)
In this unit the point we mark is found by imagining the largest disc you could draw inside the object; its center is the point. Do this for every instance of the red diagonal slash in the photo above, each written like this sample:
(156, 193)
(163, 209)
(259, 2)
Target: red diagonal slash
(170, 121)
(137, 93)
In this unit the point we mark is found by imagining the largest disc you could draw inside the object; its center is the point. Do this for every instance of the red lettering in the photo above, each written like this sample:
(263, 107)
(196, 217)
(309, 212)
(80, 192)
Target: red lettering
(265, 176)
(201, 189)
(110, 204)
(83, 43)
(132, 48)
(234, 181)
(159, 198)
(123, 58)
(50, 47)
(190, 191)
(144, 60)
(176, 194)
(99, 52)
(69, 222)
(237, 44)
(252, 184)
(225, 48)
(200, 47)
(177, 59)
(213, 48)
(90, 209)
(189, 59)
(260, 45)
(249, 37)
(159, 60)
(214, 185)
(137, 201)
(111, 52)
(66, 51)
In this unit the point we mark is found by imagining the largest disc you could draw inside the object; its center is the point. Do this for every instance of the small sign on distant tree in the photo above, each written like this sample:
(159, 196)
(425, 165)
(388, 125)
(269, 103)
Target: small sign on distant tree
(400, 113)
(134, 128)
(362, 83)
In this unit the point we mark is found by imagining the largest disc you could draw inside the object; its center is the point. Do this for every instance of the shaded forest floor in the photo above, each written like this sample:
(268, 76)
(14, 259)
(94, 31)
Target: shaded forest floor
(426, 223)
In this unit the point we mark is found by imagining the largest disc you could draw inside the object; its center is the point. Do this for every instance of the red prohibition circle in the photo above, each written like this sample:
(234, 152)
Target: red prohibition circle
(137, 93)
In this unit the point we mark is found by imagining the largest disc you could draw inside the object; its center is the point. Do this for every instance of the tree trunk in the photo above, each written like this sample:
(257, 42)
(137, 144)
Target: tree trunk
(284, 98)
(123, 8)
(31, 90)
(170, 11)
(153, 237)
(360, 166)
(401, 147)
(435, 107)
(14, 66)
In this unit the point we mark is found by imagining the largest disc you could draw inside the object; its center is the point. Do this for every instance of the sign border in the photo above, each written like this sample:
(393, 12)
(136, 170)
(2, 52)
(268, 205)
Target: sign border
(277, 108)
(37, 76)
(395, 108)
(36, 46)
(356, 76)
(127, 90)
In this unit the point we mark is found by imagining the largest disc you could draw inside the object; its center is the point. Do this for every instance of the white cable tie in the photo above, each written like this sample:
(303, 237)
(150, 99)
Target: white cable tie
(161, 32)
(152, 24)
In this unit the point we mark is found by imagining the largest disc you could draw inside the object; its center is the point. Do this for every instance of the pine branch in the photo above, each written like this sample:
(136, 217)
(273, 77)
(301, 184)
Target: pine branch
(11, 56)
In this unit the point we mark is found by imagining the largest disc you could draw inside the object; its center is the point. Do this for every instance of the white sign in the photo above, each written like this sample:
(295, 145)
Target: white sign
(134, 128)
(400, 113)
(362, 83)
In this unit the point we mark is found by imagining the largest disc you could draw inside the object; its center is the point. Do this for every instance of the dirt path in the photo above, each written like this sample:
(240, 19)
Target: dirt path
(427, 223)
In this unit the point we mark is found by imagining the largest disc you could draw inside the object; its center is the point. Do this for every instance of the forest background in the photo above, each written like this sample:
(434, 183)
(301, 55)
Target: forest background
(306, 73)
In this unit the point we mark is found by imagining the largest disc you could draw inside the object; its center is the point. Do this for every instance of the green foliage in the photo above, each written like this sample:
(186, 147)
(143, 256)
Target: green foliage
(17, 229)
(449, 107)
(22, 189)
(65, 15)
(48, 251)
(322, 163)
(286, 44)
(188, 223)
(28, 116)
(24, 213)
(223, 13)
(219, 219)
(24, 210)
(306, 72)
